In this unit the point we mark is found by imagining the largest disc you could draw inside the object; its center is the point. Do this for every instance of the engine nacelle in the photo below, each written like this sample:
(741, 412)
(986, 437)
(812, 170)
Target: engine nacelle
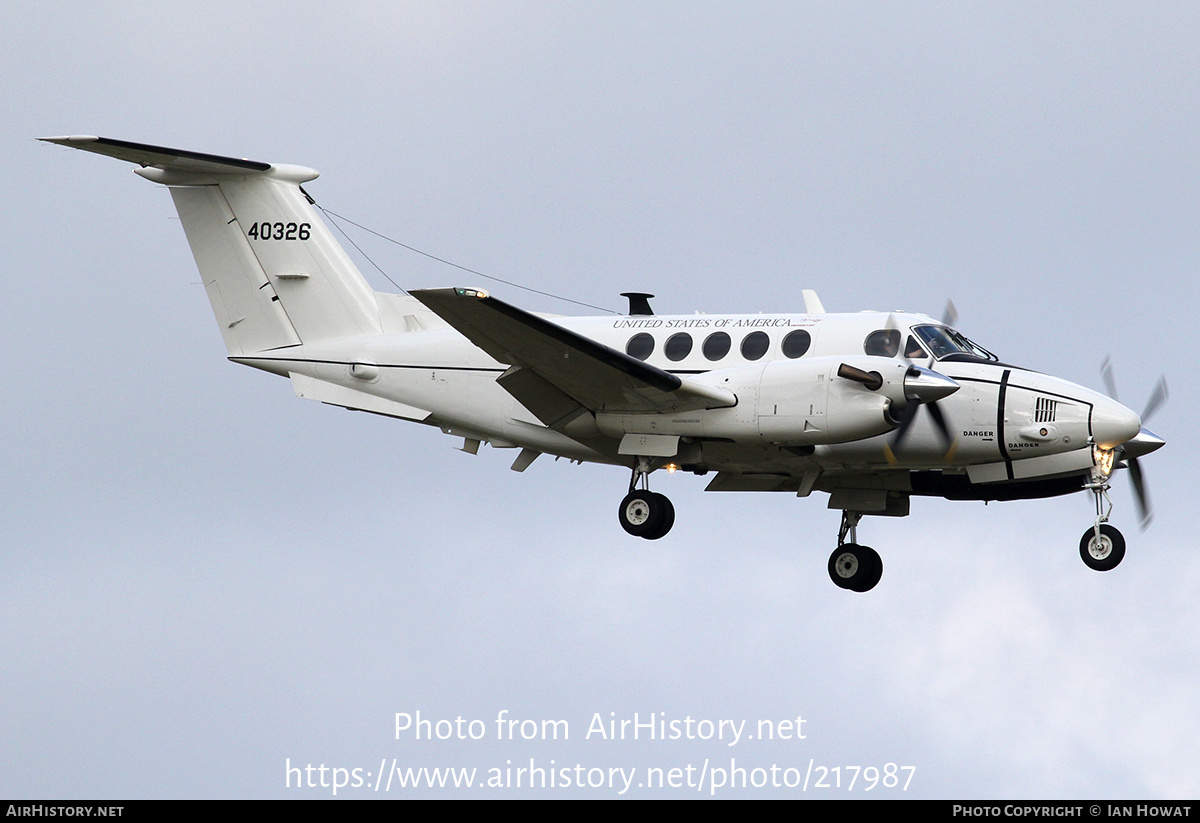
(830, 399)
(815, 401)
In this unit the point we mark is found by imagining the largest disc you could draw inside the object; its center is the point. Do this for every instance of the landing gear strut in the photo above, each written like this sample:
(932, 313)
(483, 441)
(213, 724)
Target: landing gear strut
(1102, 547)
(851, 566)
(644, 513)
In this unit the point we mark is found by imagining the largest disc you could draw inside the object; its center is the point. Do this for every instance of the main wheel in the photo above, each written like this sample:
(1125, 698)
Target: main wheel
(854, 567)
(666, 517)
(646, 514)
(1102, 553)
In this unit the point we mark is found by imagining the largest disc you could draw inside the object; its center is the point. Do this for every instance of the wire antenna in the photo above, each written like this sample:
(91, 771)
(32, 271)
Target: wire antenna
(334, 217)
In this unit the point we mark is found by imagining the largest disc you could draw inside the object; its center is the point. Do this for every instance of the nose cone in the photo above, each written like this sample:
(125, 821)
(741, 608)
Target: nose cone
(1145, 442)
(926, 386)
(1113, 424)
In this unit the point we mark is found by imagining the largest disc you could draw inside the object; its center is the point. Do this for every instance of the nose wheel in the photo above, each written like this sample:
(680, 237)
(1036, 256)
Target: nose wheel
(1102, 547)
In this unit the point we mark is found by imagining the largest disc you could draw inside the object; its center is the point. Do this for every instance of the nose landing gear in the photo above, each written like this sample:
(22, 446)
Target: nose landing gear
(1102, 547)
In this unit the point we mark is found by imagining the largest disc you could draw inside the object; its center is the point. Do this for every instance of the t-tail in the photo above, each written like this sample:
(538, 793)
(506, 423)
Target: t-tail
(274, 273)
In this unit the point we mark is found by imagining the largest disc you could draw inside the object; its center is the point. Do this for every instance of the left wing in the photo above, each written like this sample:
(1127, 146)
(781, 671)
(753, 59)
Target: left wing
(556, 371)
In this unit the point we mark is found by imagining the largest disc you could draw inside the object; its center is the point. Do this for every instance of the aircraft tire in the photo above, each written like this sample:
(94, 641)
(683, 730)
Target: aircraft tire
(856, 568)
(641, 513)
(1105, 553)
(666, 517)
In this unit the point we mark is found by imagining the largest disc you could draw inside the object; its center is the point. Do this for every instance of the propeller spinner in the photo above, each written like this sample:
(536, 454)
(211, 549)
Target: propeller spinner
(922, 387)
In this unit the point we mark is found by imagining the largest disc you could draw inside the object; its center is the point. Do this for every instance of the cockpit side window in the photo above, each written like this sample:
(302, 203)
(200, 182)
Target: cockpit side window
(913, 350)
(882, 343)
(943, 340)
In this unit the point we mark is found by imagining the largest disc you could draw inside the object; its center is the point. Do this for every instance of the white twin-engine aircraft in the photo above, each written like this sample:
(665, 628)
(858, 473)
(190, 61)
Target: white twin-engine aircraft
(870, 408)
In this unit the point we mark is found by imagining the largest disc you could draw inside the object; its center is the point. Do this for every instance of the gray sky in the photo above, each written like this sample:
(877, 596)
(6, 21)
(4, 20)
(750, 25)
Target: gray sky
(203, 576)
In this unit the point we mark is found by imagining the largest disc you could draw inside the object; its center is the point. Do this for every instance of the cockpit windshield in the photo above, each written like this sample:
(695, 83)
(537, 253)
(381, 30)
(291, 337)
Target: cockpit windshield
(943, 340)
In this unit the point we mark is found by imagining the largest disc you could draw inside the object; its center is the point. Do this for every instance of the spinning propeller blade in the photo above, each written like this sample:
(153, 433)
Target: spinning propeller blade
(925, 387)
(949, 314)
(1157, 397)
(1140, 495)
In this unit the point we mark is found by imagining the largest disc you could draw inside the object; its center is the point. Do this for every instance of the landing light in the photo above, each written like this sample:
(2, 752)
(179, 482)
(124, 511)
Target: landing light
(1102, 462)
(671, 468)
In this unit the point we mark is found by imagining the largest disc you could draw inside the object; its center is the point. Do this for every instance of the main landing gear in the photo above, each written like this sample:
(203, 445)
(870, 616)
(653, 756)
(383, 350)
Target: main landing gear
(645, 513)
(1102, 547)
(851, 566)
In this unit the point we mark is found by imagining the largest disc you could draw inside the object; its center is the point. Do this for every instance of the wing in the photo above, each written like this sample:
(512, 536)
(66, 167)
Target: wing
(557, 371)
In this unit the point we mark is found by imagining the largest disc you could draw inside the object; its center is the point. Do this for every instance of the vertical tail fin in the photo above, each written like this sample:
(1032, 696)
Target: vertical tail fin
(274, 273)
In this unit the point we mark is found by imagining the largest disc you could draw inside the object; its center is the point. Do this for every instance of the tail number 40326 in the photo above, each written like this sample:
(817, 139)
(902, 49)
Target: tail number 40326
(279, 231)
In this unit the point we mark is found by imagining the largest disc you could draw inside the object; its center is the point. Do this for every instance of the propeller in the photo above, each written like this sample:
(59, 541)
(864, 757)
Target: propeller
(949, 318)
(1157, 397)
(949, 314)
(916, 401)
(922, 387)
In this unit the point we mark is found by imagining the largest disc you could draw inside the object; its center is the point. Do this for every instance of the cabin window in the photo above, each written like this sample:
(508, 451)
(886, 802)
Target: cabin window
(678, 346)
(755, 345)
(882, 343)
(796, 343)
(716, 345)
(640, 346)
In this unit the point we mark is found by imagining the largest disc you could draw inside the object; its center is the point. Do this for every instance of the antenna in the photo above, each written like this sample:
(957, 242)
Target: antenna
(639, 302)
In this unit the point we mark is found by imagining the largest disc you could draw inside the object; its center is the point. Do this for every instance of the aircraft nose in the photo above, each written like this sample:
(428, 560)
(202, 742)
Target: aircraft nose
(1113, 424)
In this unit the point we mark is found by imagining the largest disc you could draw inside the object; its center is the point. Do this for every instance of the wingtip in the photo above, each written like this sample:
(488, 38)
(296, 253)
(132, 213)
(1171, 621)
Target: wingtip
(68, 139)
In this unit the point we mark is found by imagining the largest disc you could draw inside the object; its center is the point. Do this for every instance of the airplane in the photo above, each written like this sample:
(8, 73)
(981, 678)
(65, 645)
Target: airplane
(870, 408)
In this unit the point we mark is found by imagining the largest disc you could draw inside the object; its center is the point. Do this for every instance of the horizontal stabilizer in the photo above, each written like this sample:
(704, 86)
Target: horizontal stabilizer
(159, 157)
(323, 391)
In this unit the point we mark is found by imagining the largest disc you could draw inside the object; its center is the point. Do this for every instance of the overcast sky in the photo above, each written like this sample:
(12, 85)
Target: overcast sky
(204, 578)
